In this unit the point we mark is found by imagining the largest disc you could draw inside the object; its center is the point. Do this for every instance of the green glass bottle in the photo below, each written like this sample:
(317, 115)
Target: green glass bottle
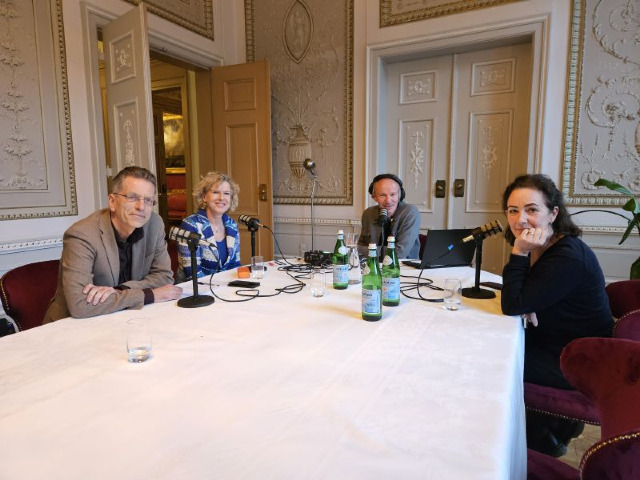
(372, 287)
(340, 263)
(391, 275)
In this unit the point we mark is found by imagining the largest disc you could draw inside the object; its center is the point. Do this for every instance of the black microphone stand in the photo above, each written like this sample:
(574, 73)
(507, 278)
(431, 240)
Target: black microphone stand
(381, 256)
(194, 300)
(253, 229)
(476, 291)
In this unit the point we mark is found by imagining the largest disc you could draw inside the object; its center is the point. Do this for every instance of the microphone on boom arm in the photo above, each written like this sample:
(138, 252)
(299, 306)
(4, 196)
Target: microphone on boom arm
(484, 231)
(478, 234)
(193, 240)
(251, 222)
(310, 166)
(179, 234)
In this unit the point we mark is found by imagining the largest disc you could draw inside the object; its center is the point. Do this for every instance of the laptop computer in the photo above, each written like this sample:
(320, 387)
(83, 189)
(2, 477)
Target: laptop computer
(444, 248)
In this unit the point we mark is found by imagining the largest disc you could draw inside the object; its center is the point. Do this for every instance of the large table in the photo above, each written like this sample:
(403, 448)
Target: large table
(285, 387)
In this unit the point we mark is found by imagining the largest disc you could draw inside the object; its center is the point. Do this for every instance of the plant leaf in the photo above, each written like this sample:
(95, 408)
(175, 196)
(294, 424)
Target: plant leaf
(603, 182)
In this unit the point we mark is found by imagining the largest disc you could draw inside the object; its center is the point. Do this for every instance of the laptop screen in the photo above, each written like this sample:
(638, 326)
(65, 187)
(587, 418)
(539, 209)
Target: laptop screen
(444, 248)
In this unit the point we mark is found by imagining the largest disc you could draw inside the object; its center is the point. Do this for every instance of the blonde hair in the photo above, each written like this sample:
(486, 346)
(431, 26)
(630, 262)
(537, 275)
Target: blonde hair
(209, 181)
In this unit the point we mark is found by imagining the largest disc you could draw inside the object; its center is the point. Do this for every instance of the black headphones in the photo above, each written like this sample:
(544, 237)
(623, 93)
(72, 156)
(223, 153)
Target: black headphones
(390, 176)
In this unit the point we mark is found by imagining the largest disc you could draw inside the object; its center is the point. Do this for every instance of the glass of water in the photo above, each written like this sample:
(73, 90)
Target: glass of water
(318, 282)
(452, 290)
(138, 339)
(355, 274)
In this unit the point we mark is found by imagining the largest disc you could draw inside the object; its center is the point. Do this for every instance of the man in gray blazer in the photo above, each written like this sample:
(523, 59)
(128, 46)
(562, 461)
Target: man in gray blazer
(115, 258)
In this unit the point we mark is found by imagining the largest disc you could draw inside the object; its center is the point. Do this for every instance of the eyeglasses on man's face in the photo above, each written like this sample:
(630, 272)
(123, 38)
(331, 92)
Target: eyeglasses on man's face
(133, 198)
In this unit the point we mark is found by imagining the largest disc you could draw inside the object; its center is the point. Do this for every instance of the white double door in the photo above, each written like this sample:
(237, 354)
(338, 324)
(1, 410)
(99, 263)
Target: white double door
(458, 127)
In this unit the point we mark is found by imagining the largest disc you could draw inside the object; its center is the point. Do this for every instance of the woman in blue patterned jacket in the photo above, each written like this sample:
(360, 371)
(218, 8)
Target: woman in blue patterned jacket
(216, 194)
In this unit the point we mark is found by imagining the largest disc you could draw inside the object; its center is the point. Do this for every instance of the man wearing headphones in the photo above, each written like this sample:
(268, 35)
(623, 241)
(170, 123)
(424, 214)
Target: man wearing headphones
(391, 217)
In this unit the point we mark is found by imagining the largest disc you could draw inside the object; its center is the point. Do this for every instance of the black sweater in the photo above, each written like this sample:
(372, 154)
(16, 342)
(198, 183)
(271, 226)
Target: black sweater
(565, 288)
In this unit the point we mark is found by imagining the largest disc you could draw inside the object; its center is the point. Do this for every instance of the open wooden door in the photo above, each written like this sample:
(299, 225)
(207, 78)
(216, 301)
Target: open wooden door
(242, 145)
(128, 84)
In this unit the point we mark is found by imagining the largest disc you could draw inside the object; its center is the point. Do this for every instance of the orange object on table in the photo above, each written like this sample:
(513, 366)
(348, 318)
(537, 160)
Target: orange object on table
(243, 272)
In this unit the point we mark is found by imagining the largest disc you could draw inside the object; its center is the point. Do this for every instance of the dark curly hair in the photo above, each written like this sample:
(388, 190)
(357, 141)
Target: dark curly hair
(563, 224)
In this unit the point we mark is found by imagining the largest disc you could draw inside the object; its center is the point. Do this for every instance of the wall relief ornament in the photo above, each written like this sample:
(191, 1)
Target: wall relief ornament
(395, 12)
(195, 15)
(36, 154)
(309, 46)
(602, 125)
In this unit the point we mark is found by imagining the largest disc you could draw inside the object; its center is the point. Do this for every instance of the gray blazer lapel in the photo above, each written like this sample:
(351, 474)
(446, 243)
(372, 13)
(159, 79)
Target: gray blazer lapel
(108, 237)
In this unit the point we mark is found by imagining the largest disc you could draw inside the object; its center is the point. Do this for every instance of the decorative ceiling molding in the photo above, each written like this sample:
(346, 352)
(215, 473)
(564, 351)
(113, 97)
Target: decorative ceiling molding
(194, 15)
(396, 12)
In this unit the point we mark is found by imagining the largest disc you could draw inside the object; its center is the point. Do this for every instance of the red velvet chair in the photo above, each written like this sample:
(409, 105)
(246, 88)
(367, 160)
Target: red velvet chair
(423, 240)
(628, 326)
(27, 290)
(607, 371)
(571, 403)
(624, 296)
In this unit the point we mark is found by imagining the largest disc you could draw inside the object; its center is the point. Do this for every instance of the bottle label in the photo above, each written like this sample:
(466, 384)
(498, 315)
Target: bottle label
(343, 250)
(390, 288)
(387, 260)
(371, 301)
(340, 274)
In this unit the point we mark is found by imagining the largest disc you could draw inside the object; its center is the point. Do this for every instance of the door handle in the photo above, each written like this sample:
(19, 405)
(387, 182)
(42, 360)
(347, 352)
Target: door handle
(441, 188)
(458, 187)
(262, 192)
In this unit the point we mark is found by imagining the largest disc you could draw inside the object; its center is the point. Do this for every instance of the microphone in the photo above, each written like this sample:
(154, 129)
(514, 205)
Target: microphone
(484, 231)
(310, 166)
(178, 234)
(250, 222)
(382, 216)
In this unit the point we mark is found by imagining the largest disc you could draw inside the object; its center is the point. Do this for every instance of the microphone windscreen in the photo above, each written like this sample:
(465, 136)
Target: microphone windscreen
(382, 216)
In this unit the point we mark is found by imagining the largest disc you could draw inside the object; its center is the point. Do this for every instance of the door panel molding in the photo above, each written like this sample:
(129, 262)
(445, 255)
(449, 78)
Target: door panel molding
(379, 57)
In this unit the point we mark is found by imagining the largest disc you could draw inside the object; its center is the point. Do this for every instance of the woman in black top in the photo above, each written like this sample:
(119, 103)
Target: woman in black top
(554, 281)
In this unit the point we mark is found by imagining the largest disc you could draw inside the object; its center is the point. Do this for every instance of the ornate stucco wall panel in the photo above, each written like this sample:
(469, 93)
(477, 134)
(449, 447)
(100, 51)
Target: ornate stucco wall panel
(195, 15)
(36, 156)
(309, 45)
(602, 132)
(395, 12)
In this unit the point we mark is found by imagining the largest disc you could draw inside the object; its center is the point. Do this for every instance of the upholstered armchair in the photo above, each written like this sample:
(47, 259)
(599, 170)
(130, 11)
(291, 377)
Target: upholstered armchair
(624, 296)
(607, 371)
(27, 290)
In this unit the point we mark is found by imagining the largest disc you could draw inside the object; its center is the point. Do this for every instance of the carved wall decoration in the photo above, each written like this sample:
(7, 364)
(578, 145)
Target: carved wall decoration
(416, 142)
(195, 15)
(395, 12)
(602, 125)
(309, 46)
(36, 155)
(490, 78)
(417, 87)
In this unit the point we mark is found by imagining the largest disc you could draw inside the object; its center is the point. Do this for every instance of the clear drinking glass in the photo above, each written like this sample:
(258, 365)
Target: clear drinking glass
(257, 267)
(318, 282)
(452, 290)
(355, 273)
(138, 339)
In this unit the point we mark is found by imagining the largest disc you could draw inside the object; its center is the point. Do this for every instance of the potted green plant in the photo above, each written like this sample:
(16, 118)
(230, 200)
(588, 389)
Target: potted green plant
(632, 206)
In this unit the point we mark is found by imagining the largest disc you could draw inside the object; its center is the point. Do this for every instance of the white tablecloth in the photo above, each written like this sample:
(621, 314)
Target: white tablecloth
(275, 388)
